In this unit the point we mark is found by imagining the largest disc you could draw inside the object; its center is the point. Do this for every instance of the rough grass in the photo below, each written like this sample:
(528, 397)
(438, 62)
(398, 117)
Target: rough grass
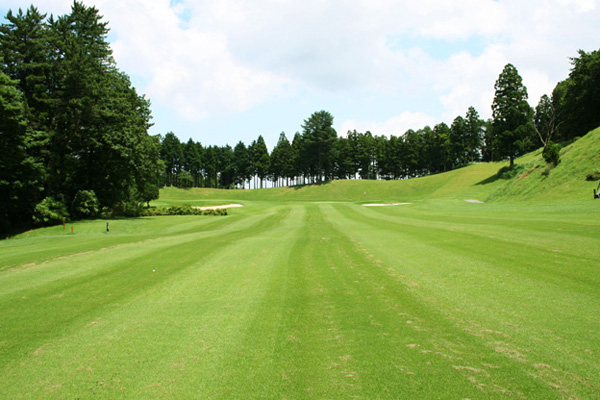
(304, 293)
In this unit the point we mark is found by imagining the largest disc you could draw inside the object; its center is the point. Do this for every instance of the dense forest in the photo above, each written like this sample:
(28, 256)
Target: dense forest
(74, 132)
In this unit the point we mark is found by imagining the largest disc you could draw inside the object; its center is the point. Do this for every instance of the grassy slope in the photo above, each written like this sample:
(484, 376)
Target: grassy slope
(297, 299)
(477, 181)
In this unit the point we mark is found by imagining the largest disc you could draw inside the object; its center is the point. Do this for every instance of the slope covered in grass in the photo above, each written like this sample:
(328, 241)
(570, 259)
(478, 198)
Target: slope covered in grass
(530, 179)
(566, 181)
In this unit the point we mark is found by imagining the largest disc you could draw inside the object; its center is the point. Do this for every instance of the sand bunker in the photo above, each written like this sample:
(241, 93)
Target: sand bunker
(384, 204)
(219, 207)
(474, 201)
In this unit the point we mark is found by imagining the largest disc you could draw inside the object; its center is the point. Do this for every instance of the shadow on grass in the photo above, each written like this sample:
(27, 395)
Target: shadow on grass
(504, 173)
(298, 187)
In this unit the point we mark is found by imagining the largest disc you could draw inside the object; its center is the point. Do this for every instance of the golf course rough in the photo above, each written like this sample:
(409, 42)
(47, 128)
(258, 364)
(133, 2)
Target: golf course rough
(437, 299)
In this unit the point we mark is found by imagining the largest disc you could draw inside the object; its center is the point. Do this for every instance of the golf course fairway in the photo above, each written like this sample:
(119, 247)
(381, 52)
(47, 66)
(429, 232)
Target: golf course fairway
(440, 299)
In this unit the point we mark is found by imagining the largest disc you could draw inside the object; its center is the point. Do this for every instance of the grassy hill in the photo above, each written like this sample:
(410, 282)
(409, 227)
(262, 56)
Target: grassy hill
(530, 179)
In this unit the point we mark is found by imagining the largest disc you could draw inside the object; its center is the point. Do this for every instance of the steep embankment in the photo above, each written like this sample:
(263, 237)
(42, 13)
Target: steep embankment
(529, 179)
(533, 180)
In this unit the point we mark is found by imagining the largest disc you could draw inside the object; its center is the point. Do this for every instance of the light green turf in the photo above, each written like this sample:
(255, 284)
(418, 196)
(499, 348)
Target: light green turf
(304, 293)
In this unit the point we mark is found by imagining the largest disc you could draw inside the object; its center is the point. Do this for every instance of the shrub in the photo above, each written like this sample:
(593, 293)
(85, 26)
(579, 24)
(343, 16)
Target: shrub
(546, 172)
(593, 176)
(127, 209)
(551, 153)
(509, 172)
(85, 204)
(50, 211)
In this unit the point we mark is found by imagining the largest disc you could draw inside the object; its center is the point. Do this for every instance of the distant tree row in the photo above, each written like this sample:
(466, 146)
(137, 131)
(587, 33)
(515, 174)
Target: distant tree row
(73, 130)
(316, 153)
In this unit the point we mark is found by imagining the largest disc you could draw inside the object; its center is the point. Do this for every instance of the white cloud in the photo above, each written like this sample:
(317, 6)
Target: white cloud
(211, 57)
(397, 125)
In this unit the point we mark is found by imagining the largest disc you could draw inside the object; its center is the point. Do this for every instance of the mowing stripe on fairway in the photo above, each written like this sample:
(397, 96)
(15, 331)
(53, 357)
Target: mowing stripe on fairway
(305, 300)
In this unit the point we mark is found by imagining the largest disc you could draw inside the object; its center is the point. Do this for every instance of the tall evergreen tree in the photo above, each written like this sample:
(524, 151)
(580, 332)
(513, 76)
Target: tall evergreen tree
(192, 161)
(319, 137)
(86, 127)
(474, 135)
(512, 115)
(241, 162)
(20, 174)
(171, 154)
(260, 156)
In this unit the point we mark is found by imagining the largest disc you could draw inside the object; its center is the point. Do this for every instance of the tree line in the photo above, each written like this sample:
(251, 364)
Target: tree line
(317, 153)
(73, 131)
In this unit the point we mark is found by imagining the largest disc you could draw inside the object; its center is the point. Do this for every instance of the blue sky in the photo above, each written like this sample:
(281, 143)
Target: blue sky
(221, 71)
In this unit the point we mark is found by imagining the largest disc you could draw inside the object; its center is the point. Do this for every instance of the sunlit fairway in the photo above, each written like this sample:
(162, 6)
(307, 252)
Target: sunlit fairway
(302, 295)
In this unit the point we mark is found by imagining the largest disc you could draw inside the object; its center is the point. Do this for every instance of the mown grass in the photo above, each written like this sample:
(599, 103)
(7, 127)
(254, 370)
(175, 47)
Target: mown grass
(304, 293)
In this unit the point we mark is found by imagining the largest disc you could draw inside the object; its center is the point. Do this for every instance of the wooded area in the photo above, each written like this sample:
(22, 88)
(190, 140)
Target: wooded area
(74, 132)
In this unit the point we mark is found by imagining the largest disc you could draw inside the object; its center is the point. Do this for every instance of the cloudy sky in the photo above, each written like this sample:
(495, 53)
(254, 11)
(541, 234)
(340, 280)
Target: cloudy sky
(220, 71)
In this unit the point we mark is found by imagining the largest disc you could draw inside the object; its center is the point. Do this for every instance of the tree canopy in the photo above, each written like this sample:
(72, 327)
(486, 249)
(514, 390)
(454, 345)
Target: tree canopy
(72, 121)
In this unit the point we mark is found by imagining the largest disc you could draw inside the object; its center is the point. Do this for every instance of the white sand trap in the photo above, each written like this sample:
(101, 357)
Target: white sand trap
(384, 204)
(474, 201)
(219, 207)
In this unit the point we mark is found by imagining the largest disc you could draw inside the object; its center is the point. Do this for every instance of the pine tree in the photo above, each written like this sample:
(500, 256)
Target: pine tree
(319, 136)
(512, 115)
(261, 161)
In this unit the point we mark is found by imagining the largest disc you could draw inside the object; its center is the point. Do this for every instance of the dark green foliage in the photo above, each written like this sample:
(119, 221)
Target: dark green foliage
(551, 153)
(319, 136)
(512, 127)
(192, 162)
(127, 209)
(80, 124)
(593, 176)
(85, 205)
(544, 119)
(510, 172)
(260, 159)
(241, 164)
(282, 160)
(578, 97)
(50, 211)
(185, 179)
(171, 154)
(183, 209)
(20, 172)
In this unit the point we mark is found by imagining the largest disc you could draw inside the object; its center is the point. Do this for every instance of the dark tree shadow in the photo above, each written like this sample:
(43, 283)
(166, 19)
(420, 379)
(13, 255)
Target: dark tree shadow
(505, 173)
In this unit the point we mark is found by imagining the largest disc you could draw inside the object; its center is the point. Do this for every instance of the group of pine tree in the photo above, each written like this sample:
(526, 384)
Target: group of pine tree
(74, 132)
(317, 154)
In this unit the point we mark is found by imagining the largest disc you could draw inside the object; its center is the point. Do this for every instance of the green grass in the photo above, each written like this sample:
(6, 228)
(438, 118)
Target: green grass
(304, 293)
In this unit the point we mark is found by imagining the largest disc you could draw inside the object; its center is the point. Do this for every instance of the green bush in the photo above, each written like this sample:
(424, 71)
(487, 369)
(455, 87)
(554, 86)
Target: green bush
(85, 204)
(50, 211)
(127, 209)
(551, 153)
(181, 210)
(593, 176)
(510, 172)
